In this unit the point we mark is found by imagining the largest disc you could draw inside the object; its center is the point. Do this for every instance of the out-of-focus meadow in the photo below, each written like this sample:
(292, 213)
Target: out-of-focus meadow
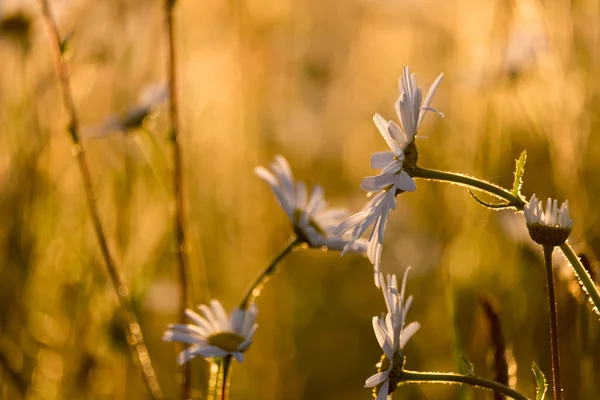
(303, 79)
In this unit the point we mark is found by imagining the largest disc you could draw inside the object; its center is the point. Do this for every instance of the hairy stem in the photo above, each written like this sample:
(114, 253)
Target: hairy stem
(178, 224)
(133, 330)
(553, 323)
(450, 378)
(585, 279)
(470, 182)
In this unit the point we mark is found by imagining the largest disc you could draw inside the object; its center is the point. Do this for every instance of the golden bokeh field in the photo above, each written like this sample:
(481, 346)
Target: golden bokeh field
(301, 79)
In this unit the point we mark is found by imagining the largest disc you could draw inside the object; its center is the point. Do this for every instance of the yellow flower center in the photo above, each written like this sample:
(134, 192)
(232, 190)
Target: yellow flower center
(227, 341)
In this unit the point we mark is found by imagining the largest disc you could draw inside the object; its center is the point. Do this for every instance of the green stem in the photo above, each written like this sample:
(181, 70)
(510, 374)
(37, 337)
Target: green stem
(585, 280)
(254, 290)
(451, 378)
(553, 323)
(441, 176)
(470, 182)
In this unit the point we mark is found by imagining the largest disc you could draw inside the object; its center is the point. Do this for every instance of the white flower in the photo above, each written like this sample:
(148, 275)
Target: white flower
(394, 178)
(214, 335)
(313, 222)
(392, 335)
(549, 228)
(554, 216)
(411, 113)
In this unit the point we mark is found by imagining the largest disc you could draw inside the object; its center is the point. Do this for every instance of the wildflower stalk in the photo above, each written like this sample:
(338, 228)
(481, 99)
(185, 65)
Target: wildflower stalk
(133, 330)
(252, 293)
(181, 246)
(470, 182)
(517, 203)
(553, 323)
(451, 378)
(225, 378)
(254, 290)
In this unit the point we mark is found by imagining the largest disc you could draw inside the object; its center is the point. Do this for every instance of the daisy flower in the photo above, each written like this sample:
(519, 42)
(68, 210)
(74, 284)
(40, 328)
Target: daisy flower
(150, 99)
(313, 222)
(392, 336)
(396, 165)
(214, 335)
(551, 227)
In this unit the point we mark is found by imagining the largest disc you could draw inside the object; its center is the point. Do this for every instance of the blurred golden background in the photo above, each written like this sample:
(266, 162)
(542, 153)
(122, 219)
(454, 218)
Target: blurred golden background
(302, 79)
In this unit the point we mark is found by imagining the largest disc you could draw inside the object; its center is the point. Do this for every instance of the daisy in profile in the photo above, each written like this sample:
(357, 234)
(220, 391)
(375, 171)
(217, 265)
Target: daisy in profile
(551, 227)
(392, 335)
(396, 164)
(214, 334)
(313, 222)
(151, 97)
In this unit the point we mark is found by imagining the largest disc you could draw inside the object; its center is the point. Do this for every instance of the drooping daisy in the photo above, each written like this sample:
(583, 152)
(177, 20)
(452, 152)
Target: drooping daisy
(551, 227)
(151, 97)
(313, 222)
(214, 335)
(392, 336)
(397, 164)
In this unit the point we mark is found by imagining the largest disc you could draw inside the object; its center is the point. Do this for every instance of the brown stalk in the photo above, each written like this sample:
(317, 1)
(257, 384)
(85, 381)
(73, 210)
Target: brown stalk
(498, 344)
(181, 247)
(132, 329)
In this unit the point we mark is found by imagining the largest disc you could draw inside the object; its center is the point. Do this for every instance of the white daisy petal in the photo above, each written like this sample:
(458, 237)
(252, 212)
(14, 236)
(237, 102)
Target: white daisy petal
(187, 354)
(307, 212)
(404, 182)
(236, 320)
(382, 159)
(220, 315)
(383, 391)
(407, 332)
(429, 97)
(382, 125)
(198, 320)
(217, 335)
(377, 378)
(211, 352)
(376, 183)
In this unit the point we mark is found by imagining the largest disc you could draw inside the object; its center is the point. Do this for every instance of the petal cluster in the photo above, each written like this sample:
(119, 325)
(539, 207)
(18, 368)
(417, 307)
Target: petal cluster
(553, 216)
(392, 334)
(374, 214)
(393, 178)
(312, 220)
(214, 334)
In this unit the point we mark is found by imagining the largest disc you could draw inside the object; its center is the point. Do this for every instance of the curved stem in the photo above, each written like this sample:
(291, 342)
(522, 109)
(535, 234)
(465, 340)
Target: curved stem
(132, 330)
(470, 182)
(585, 279)
(254, 290)
(553, 323)
(450, 378)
